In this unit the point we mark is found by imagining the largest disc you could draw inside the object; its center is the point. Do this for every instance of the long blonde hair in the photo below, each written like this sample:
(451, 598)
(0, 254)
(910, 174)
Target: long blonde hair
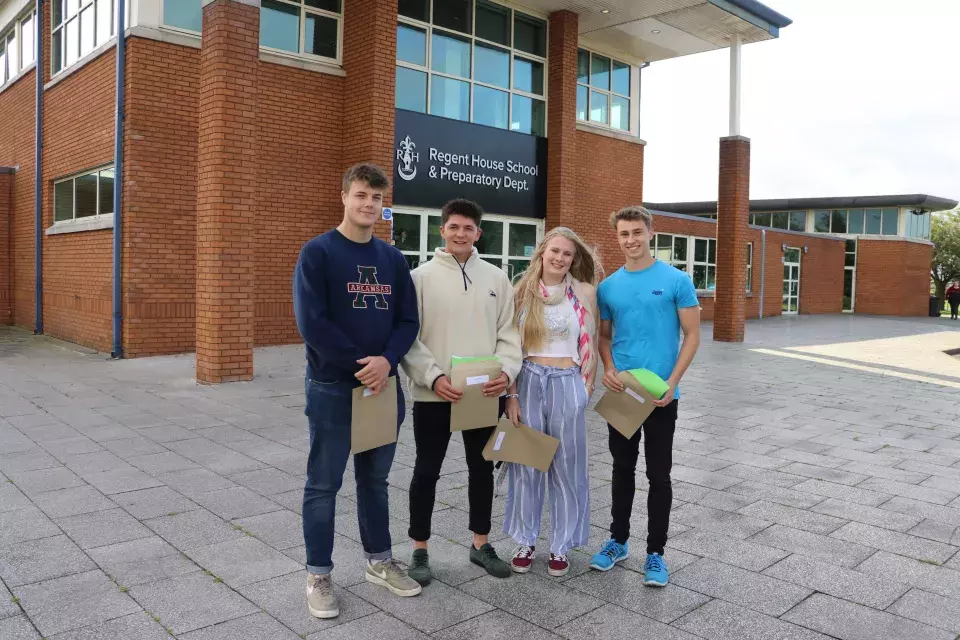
(528, 301)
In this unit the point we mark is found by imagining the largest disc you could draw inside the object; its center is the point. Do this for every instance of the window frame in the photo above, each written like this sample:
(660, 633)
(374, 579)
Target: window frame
(14, 33)
(73, 179)
(749, 267)
(690, 261)
(302, 35)
(610, 93)
(82, 5)
(789, 213)
(429, 28)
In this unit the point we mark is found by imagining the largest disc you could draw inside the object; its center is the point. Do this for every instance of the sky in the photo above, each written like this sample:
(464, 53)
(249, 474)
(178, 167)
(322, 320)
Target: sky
(856, 97)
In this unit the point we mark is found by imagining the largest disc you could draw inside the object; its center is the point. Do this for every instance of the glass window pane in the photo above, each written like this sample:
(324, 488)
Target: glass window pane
(599, 110)
(492, 66)
(851, 246)
(680, 248)
(71, 42)
(3, 62)
(528, 76)
(411, 90)
(529, 116)
(106, 192)
(493, 22)
(86, 195)
(490, 106)
(105, 20)
(621, 78)
(279, 26)
(821, 221)
(620, 113)
(712, 251)
(855, 221)
(793, 255)
(88, 37)
(184, 14)
(517, 267)
(850, 259)
(838, 221)
(711, 278)
(433, 235)
(700, 276)
(491, 240)
(412, 45)
(530, 34)
(600, 72)
(416, 9)
(663, 252)
(451, 55)
(57, 8)
(890, 222)
(848, 289)
(26, 41)
(332, 6)
(762, 219)
(798, 221)
(583, 66)
(320, 36)
(12, 67)
(72, 6)
(450, 98)
(522, 240)
(56, 51)
(699, 250)
(873, 222)
(63, 201)
(582, 96)
(453, 14)
(780, 220)
(406, 232)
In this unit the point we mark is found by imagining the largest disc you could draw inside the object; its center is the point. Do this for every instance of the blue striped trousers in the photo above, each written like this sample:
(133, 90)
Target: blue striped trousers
(552, 401)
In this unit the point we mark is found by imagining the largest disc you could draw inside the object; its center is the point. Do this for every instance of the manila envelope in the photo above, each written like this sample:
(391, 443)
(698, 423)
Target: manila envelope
(374, 422)
(627, 410)
(474, 411)
(521, 445)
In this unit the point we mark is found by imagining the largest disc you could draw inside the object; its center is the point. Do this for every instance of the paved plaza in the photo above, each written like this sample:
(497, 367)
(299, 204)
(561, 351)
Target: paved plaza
(816, 495)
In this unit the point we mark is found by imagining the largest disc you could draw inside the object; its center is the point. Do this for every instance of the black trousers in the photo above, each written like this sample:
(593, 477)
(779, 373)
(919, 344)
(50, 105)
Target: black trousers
(953, 307)
(431, 430)
(658, 453)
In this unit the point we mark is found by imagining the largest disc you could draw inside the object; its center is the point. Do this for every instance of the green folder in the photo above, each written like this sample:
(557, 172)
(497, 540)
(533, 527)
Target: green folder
(455, 360)
(651, 382)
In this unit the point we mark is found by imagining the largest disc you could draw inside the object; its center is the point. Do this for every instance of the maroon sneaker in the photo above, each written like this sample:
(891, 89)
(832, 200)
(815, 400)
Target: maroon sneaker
(522, 559)
(559, 565)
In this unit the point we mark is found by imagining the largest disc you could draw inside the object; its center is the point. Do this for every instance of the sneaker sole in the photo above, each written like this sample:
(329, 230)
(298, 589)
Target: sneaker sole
(517, 569)
(481, 565)
(404, 593)
(323, 615)
(651, 583)
(558, 574)
(599, 568)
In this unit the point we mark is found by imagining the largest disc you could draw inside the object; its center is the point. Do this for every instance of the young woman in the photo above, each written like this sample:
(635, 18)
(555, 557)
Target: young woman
(556, 312)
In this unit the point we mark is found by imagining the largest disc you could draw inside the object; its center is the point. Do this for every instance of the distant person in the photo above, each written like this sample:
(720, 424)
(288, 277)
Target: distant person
(953, 297)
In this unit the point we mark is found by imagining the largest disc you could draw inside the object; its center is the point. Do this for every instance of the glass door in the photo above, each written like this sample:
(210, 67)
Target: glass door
(850, 276)
(791, 281)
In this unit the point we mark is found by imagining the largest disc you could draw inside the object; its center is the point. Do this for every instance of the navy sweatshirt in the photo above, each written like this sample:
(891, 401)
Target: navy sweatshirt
(352, 300)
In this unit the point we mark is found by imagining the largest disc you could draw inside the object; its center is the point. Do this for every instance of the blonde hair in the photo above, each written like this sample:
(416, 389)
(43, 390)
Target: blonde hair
(528, 301)
(632, 214)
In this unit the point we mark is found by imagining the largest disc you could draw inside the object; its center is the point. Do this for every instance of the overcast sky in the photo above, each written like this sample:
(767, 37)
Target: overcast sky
(856, 97)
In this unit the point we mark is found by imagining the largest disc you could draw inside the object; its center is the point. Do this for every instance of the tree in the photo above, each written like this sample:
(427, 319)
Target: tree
(945, 234)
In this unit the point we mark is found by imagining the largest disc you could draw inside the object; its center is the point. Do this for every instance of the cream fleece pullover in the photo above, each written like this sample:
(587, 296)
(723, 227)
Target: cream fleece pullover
(464, 312)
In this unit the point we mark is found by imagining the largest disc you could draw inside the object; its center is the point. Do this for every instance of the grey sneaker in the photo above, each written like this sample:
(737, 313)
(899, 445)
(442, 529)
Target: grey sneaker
(321, 601)
(420, 567)
(390, 575)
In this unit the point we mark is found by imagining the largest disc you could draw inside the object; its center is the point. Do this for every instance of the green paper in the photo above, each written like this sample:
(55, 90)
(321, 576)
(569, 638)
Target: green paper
(455, 360)
(651, 382)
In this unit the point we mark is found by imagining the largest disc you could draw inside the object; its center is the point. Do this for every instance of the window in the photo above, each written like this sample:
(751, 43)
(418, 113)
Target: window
(705, 263)
(671, 249)
(183, 14)
(603, 90)
(79, 27)
(477, 62)
(890, 225)
(918, 223)
(86, 195)
(17, 51)
(749, 267)
(697, 257)
(849, 275)
(302, 27)
(786, 220)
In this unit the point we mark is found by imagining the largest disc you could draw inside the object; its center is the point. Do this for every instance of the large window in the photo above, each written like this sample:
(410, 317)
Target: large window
(473, 61)
(850, 275)
(84, 196)
(17, 51)
(786, 220)
(79, 27)
(705, 263)
(603, 90)
(918, 224)
(857, 221)
(697, 257)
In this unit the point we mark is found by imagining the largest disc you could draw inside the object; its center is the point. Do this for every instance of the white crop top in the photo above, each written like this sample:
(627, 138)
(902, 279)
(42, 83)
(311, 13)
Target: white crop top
(563, 330)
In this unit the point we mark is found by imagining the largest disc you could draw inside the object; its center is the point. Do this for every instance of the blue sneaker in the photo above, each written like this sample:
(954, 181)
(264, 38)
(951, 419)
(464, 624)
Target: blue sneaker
(610, 554)
(655, 571)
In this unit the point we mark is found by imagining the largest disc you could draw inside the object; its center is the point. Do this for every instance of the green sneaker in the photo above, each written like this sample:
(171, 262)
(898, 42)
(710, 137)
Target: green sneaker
(486, 557)
(390, 575)
(420, 567)
(321, 601)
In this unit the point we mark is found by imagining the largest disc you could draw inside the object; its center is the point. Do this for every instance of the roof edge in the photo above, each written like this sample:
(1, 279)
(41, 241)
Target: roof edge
(918, 200)
(763, 12)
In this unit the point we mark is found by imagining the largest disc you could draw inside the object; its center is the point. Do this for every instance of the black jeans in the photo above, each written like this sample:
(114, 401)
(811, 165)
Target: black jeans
(431, 430)
(953, 307)
(658, 454)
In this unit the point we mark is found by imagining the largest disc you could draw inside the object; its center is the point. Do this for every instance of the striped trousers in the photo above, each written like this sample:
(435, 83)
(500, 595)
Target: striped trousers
(552, 401)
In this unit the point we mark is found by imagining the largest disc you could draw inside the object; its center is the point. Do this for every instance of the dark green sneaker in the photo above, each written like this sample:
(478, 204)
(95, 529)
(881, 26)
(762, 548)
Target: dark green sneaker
(419, 568)
(486, 557)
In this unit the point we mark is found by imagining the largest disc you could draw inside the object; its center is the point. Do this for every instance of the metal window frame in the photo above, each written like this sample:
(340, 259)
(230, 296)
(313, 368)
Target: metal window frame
(62, 27)
(302, 35)
(73, 180)
(609, 93)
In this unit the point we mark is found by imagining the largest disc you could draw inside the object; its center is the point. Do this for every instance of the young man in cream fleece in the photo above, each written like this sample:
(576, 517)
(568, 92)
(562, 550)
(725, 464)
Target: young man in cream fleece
(466, 309)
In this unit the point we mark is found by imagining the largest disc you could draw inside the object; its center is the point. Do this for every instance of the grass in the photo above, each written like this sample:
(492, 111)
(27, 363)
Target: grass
(172, 513)
(927, 561)
(15, 600)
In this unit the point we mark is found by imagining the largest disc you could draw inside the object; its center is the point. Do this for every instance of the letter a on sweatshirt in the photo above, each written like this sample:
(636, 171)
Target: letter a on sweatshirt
(368, 287)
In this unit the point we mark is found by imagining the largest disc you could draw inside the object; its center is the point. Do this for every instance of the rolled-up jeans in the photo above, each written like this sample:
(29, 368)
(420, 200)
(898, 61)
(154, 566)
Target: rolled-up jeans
(329, 411)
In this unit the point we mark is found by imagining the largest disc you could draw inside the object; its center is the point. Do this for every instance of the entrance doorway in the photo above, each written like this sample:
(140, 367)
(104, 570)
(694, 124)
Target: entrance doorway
(791, 281)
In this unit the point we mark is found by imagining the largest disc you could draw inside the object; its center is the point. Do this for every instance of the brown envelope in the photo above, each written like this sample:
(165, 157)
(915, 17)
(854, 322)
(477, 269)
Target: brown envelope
(626, 410)
(374, 422)
(474, 411)
(521, 445)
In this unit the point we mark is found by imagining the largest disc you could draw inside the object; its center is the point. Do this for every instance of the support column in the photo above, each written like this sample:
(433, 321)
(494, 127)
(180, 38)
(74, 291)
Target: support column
(733, 213)
(6, 259)
(226, 184)
(562, 119)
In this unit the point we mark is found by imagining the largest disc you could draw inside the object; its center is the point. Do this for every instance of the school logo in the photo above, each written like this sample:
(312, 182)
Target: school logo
(407, 159)
(368, 287)
(657, 292)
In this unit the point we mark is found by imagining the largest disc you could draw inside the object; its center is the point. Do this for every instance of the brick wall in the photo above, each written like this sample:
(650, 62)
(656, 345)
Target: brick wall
(893, 277)
(733, 207)
(821, 272)
(562, 181)
(7, 181)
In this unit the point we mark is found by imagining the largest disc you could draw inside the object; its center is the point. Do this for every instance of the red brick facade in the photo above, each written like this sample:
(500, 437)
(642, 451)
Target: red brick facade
(893, 277)
(6, 261)
(733, 213)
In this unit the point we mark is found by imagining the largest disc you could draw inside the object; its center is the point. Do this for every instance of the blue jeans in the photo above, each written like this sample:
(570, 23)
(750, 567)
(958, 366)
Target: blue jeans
(329, 410)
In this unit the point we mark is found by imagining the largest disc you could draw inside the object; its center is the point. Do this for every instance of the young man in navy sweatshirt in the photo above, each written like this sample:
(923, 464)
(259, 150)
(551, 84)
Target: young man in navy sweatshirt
(356, 309)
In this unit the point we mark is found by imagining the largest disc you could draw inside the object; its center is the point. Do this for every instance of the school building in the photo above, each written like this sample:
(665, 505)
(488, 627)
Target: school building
(154, 196)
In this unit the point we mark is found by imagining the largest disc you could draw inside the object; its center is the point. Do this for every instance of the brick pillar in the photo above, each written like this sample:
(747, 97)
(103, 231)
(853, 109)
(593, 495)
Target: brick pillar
(562, 119)
(6, 259)
(733, 213)
(226, 184)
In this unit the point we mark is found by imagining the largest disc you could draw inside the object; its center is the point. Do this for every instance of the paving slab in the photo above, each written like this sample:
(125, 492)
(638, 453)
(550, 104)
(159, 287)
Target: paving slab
(827, 549)
(42, 559)
(72, 502)
(719, 620)
(192, 529)
(379, 626)
(625, 589)
(747, 555)
(191, 602)
(18, 628)
(876, 516)
(930, 609)
(930, 577)
(101, 528)
(40, 481)
(280, 529)
(792, 517)
(840, 582)
(136, 626)
(256, 627)
(849, 621)
(895, 542)
(438, 606)
(614, 623)
(496, 625)
(25, 524)
(243, 560)
(739, 586)
(11, 498)
(146, 504)
(538, 600)
(142, 561)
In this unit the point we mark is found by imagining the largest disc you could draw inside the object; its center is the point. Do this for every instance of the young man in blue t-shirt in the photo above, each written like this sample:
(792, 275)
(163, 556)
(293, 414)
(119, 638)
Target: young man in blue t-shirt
(356, 309)
(643, 307)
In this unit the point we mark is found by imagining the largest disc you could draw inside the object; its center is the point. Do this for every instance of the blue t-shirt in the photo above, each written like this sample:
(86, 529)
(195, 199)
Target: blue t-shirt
(643, 307)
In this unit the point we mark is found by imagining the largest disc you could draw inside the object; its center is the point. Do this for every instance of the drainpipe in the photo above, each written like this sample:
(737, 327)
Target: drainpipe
(118, 181)
(38, 180)
(763, 267)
